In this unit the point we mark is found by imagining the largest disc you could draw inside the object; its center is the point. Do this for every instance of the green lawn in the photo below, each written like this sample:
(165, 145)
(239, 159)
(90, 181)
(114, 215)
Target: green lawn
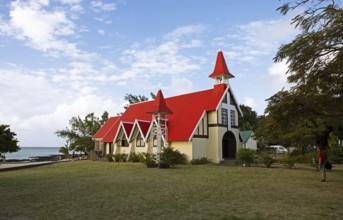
(103, 190)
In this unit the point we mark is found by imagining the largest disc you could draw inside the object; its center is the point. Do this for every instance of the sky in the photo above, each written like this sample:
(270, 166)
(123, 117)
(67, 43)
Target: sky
(66, 58)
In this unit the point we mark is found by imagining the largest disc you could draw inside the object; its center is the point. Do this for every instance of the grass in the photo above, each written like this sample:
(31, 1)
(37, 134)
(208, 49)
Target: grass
(102, 190)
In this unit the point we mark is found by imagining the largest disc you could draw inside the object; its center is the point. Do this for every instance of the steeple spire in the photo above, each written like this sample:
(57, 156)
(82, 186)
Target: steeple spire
(221, 73)
(159, 105)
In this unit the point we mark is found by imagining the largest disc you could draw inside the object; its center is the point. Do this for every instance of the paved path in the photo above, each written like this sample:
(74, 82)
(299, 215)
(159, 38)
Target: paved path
(21, 165)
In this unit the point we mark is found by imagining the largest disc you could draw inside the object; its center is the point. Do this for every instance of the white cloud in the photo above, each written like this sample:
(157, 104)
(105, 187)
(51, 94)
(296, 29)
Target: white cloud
(101, 32)
(256, 39)
(163, 59)
(179, 86)
(277, 77)
(70, 1)
(100, 6)
(48, 124)
(249, 101)
(36, 107)
(43, 30)
(184, 31)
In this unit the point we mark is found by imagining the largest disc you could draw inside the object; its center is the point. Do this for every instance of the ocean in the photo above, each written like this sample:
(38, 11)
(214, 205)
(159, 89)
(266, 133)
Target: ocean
(27, 152)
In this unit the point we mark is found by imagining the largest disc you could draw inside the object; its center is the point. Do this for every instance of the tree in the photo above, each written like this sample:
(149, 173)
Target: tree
(80, 133)
(136, 98)
(288, 123)
(8, 141)
(65, 150)
(314, 106)
(250, 120)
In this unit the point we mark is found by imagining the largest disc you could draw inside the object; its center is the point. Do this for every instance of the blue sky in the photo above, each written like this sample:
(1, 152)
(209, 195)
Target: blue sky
(63, 58)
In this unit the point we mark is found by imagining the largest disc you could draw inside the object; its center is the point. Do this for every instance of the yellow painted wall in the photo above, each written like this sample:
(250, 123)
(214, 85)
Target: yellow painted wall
(212, 145)
(212, 117)
(199, 148)
(184, 147)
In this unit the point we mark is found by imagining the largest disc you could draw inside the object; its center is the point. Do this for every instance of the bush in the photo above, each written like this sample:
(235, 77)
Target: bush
(288, 161)
(309, 157)
(163, 165)
(335, 154)
(110, 157)
(267, 158)
(199, 161)
(172, 156)
(120, 157)
(151, 164)
(246, 156)
(134, 157)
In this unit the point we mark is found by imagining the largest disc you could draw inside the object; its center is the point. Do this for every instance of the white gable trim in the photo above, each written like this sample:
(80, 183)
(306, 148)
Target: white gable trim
(221, 99)
(121, 126)
(198, 123)
(136, 124)
(234, 98)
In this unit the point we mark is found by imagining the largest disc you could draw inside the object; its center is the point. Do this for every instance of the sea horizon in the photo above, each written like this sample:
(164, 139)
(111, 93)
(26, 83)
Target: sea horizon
(28, 152)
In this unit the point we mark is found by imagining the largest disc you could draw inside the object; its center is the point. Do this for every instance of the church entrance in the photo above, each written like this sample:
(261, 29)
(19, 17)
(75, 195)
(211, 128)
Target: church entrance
(229, 145)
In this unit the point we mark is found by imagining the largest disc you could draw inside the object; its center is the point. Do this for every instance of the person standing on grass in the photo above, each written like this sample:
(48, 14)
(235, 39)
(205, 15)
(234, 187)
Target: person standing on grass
(321, 158)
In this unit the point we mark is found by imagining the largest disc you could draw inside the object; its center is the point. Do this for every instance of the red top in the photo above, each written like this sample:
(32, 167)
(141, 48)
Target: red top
(159, 104)
(321, 157)
(106, 127)
(220, 69)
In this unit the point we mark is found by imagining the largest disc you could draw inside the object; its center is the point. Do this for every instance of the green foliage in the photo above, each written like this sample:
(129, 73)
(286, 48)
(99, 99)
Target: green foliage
(65, 150)
(136, 157)
(134, 99)
(110, 157)
(315, 67)
(288, 160)
(199, 161)
(267, 158)
(250, 120)
(335, 151)
(246, 156)
(8, 141)
(80, 133)
(172, 156)
(120, 157)
(151, 164)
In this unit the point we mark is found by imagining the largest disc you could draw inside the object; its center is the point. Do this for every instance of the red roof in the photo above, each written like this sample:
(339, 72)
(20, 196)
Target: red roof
(187, 111)
(144, 126)
(109, 137)
(127, 128)
(101, 133)
(159, 104)
(220, 69)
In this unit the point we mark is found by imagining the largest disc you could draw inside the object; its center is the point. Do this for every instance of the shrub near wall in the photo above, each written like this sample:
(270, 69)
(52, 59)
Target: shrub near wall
(199, 161)
(172, 157)
(120, 157)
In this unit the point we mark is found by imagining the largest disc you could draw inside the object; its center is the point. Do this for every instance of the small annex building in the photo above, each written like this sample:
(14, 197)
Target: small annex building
(198, 124)
(248, 140)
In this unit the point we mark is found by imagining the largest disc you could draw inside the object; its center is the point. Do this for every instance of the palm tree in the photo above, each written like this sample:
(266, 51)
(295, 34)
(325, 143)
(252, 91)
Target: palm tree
(65, 150)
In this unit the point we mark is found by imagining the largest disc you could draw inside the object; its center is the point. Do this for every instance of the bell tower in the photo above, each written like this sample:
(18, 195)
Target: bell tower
(221, 73)
(159, 111)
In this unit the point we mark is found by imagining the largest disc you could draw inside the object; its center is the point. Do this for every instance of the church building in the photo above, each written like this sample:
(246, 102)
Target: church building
(198, 124)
